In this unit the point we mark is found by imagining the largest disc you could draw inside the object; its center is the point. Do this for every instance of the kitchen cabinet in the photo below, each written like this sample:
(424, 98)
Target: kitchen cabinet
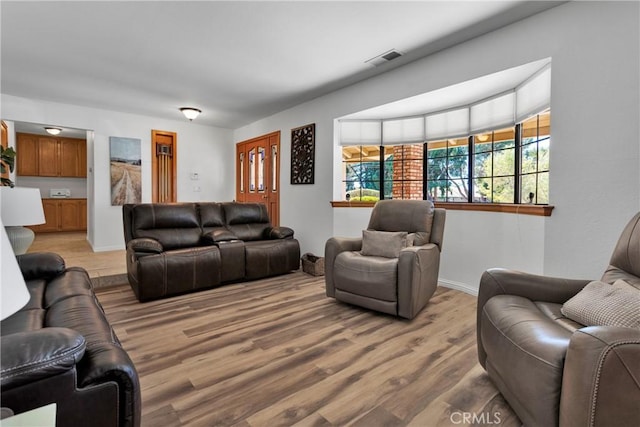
(39, 155)
(63, 215)
(27, 154)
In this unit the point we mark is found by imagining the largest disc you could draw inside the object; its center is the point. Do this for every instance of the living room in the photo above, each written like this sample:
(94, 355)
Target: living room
(594, 182)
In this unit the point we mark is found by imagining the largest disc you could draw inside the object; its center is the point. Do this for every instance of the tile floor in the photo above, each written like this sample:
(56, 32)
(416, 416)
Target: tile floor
(104, 268)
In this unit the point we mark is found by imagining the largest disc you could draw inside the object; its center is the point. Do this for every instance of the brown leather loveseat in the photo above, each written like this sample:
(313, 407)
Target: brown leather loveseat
(176, 248)
(552, 369)
(60, 348)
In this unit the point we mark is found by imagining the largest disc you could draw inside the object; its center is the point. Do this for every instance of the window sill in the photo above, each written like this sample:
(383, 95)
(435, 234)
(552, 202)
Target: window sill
(537, 210)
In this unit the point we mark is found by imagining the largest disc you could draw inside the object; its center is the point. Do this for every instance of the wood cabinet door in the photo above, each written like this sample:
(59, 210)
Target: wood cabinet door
(83, 214)
(50, 208)
(69, 215)
(69, 158)
(26, 154)
(48, 157)
(82, 156)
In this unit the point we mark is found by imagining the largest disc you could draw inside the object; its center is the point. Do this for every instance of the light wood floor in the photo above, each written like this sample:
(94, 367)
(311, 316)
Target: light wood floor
(104, 268)
(278, 352)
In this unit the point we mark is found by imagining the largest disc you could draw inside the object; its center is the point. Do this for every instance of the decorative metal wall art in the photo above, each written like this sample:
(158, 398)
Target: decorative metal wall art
(303, 141)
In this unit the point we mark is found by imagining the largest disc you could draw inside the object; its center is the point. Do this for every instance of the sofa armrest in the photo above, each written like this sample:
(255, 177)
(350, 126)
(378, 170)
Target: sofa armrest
(600, 382)
(332, 249)
(145, 245)
(40, 265)
(497, 281)
(217, 236)
(30, 356)
(279, 233)
(418, 268)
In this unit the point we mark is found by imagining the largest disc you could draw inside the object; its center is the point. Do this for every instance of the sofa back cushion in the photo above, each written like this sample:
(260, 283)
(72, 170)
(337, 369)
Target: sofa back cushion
(412, 216)
(174, 225)
(211, 217)
(625, 260)
(248, 221)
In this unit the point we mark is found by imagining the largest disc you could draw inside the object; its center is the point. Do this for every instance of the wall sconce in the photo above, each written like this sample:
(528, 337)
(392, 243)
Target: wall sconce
(53, 131)
(190, 112)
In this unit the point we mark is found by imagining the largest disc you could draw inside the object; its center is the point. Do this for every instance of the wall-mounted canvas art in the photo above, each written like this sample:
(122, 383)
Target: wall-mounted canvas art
(302, 154)
(126, 165)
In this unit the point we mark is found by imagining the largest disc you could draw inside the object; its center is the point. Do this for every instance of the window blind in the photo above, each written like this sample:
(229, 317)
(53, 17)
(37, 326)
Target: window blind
(448, 124)
(534, 95)
(361, 132)
(504, 109)
(493, 113)
(403, 131)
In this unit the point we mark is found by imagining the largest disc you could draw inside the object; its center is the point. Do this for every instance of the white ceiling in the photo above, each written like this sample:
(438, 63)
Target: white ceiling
(237, 61)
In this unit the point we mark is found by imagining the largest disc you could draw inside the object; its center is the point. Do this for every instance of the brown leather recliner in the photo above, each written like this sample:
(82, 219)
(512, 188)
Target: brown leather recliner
(174, 248)
(60, 348)
(400, 286)
(552, 370)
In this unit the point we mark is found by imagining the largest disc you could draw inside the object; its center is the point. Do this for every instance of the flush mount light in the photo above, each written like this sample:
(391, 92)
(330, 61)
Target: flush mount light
(53, 131)
(190, 112)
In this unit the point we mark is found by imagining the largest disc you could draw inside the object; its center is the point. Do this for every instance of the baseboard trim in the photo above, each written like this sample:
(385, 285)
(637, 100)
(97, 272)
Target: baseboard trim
(459, 286)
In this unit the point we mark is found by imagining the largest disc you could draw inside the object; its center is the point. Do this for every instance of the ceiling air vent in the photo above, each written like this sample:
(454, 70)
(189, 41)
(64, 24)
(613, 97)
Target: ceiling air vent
(385, 57)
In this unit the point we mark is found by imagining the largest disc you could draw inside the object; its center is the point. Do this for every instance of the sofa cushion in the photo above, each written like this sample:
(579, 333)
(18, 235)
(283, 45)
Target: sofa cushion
(173, 225)
(211, 215)
(602, 304)
(248, 221)
(271, 257)
(74, 282)
(178, 271)
(373, 277)
(413, 216)
(386, 244)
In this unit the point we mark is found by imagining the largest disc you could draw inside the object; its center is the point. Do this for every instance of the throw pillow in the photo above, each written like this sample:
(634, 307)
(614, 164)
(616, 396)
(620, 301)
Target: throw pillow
(602, 304)
(386, 244)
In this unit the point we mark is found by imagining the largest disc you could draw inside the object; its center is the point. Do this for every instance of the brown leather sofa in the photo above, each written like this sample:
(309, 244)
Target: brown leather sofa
(60, 349)
(176, 248)
(401, 284)
(552, 370)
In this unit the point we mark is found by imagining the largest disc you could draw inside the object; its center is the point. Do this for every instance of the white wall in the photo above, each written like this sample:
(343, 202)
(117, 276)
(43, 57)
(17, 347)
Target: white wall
(595, 151)
(202, 149)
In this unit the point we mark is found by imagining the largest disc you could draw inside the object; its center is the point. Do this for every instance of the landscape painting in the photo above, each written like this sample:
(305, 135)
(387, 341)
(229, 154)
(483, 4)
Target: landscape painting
(126, 183)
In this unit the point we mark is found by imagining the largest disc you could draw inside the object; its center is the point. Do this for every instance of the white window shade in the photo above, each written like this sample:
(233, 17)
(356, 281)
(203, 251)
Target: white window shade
(403, 131)
(361, 132)
(493, 113)
(448, 124)
(534, 95)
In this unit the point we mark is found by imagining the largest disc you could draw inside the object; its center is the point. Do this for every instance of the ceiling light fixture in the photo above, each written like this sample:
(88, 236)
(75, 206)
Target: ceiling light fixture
(53, 131)
(190, 112)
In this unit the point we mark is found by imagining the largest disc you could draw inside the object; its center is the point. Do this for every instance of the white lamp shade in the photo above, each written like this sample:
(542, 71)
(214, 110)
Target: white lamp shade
(21, 206)
(14, 291)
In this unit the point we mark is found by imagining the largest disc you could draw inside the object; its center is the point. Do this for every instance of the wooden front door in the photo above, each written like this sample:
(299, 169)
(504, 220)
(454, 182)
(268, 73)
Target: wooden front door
(258, 173)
